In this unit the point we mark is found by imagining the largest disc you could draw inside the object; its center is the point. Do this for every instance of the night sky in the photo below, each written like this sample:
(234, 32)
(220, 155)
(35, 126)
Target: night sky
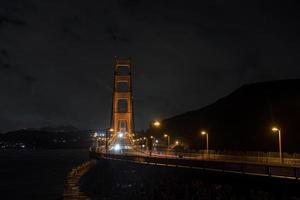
(56, 55)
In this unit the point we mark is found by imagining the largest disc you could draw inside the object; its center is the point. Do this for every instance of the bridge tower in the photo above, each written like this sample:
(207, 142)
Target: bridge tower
(122, 108)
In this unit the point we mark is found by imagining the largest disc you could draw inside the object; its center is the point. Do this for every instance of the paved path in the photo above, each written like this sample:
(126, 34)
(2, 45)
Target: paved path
(72, 189)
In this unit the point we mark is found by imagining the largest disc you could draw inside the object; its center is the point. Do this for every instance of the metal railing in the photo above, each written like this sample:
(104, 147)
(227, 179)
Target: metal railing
(257, 157)
(218, 166)
(234, 156)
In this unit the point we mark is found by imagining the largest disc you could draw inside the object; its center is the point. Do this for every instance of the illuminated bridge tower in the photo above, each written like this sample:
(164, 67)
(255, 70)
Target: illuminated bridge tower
(122, 108)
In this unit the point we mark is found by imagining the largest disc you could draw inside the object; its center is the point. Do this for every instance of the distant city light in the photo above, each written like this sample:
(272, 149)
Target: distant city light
(120, 135)
(177, 142)
(156, 141)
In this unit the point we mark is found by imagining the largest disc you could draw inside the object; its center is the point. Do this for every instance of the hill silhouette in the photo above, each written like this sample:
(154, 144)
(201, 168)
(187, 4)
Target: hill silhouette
(243, 119)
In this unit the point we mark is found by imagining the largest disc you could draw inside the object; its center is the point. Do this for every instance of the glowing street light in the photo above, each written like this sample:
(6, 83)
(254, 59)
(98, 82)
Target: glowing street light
(177, 142)
(120, 135)
(117, 147)
(276, 129)
(156, 141)
(168, 137)
(111, 130)
(205, 133)
(156, 123)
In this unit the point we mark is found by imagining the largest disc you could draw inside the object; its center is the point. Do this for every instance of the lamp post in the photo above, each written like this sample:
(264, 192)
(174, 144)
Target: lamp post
(275, 129)
(156, 123)
(150, 144)
(106, 138)
(168, 138)
(145, 141)
(205, 133)
(95, 142)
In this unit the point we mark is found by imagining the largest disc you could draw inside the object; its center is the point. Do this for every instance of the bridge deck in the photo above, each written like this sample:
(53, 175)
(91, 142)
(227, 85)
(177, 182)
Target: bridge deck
(277, 170)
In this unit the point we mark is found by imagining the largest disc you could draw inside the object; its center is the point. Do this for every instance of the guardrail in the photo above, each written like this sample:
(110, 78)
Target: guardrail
(234, 156)
(248, 156)
(257, 169)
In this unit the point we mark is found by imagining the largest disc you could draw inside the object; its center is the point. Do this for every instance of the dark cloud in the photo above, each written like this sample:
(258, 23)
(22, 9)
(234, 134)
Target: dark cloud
(4, 53)
(6, 66)
(71, 28)
(56, 56)
(4, 59)
(117, 35)
(30, 79)
(13, 21)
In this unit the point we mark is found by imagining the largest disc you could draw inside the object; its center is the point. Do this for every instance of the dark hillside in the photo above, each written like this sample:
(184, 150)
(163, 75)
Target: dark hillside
(243, 119)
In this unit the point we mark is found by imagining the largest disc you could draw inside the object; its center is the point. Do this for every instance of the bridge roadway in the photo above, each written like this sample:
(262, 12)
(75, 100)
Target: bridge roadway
(255, 166)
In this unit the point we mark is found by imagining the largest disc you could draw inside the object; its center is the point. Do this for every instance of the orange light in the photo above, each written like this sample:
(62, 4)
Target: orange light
(156, 123)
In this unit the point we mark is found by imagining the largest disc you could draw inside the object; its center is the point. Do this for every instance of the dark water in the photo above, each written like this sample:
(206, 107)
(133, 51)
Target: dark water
(36, 174)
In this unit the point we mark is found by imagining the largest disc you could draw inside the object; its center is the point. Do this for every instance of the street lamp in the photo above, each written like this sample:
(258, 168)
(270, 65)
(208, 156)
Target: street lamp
(95, 141)
(106, 138)
(177, 142)
(146, 141)
(205, 133)
(156, 123)
(275, 129)
(168, 137)
(152, 141)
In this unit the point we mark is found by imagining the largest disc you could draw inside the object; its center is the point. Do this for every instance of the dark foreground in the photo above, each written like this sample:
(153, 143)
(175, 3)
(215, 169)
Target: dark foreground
(36, 174)
(121, 180)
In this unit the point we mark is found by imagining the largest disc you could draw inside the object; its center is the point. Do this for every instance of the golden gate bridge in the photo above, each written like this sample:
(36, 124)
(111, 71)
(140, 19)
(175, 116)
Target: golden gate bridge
(119, 142)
